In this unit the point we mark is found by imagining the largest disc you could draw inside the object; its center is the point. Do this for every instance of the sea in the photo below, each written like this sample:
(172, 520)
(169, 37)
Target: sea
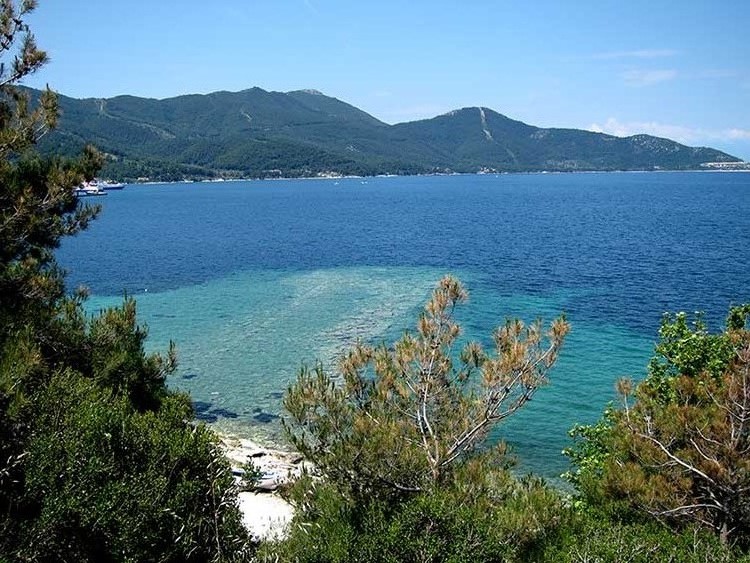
(254, 279)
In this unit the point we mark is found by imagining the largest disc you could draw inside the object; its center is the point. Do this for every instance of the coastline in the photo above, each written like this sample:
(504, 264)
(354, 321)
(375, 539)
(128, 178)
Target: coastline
(436, 174)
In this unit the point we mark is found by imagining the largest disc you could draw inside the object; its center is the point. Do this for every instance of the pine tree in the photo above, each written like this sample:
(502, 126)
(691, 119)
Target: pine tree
(400, 419)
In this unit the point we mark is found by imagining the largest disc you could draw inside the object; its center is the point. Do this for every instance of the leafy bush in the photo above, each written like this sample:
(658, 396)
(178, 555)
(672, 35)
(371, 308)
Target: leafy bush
(594, 537)
(103, 482)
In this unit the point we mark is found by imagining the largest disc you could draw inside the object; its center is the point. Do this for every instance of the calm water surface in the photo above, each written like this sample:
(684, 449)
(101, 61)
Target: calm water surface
(251, 279)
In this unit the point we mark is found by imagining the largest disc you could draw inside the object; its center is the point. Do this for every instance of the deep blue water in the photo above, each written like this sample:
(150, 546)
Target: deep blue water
(253, 278)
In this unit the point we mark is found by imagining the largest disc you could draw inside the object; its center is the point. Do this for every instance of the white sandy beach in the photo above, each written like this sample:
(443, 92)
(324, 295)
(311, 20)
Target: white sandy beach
(265, 513)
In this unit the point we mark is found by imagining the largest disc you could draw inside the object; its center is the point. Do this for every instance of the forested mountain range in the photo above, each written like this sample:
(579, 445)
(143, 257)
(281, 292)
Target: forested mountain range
(255, 133)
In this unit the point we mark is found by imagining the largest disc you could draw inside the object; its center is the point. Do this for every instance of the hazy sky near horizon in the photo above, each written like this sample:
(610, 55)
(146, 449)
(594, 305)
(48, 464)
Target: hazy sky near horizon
(677, 69)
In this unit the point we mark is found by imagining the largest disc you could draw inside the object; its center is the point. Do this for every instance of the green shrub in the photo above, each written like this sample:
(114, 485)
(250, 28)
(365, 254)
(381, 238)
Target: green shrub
(593, 537)
(106, 483)
(494, 518)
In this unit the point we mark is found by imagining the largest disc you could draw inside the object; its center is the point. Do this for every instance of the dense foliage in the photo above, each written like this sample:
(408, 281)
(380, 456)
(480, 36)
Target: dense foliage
(254, 133)
(98, 460)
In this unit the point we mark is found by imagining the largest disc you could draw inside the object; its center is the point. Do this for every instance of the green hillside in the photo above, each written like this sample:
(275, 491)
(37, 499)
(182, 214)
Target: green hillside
(255, 133)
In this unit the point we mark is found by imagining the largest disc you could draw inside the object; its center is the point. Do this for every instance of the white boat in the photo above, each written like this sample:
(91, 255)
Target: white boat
(88, 189)
(111, 185)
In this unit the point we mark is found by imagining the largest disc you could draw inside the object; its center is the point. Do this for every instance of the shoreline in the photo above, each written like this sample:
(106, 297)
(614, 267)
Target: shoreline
(435, 174)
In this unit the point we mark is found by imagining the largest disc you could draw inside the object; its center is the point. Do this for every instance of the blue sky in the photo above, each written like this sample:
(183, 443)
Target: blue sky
(679, 69)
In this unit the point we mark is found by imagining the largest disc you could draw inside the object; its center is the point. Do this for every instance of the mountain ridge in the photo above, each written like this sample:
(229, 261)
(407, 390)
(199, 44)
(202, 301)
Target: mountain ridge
(259, 133)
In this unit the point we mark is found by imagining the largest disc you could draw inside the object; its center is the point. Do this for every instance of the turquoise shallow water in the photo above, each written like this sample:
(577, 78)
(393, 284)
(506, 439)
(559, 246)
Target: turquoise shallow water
(251, 279)
(242, 339)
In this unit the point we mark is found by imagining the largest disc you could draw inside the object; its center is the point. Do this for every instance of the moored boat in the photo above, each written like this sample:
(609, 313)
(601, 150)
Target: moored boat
(88, 189)
(111, 185)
